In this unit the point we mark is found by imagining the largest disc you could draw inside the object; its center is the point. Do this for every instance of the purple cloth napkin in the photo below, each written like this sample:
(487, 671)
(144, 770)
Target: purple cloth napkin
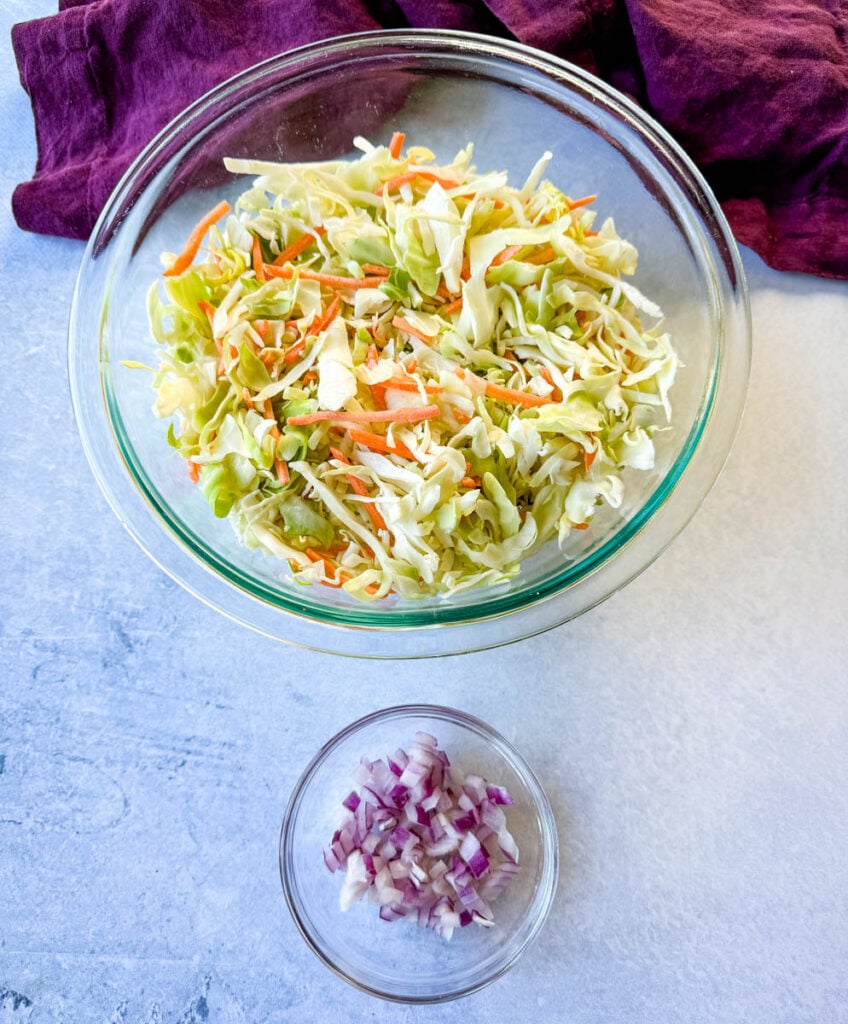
(756, 91)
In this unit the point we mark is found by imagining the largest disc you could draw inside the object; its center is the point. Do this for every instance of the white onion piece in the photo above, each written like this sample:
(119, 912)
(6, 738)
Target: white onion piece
(422, 844)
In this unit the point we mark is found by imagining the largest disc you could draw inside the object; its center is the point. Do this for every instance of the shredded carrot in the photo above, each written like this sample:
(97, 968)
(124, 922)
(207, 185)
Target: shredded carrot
(258, 265)
(374, 268)
(588, 458)
(295, 352)
(452, 307)
(269, 356)
(245, 396)
(546, 376)
(208, 309)
(405, 325)
(372, 510)
(396, 145)
(542, 256)
(585, 201)
(186, 257)
(309, 376)
(318, 557)
(580, 526)
(459, 415)
(379, 393)
(282, 468)
(379, 444)
(411, 365)
(465, 273)
(329, 316)
(193, 471)
(296, 248)
(402, 179)
(470, 481)
(401, 384)
(362, 491)
(590, 234)
(372, 357)
(331, 280)
(502, 394)
(260, 326)
(511, 395)
(406, 414)
(268, 412)
(505, 254)
(442, 290)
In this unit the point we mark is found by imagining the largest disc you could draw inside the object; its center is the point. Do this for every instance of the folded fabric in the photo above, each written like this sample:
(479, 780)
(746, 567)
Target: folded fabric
(756, 91)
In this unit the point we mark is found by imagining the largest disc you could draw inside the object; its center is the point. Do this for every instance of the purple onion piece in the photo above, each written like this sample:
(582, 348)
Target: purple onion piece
(423, 844)
(499, 795)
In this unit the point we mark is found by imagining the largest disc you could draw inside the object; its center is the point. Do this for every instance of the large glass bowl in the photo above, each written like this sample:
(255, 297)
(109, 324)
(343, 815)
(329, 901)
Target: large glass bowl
(443, 89)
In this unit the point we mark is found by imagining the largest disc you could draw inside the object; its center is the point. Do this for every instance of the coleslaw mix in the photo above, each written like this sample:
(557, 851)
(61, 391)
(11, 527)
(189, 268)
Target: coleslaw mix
(404, 377)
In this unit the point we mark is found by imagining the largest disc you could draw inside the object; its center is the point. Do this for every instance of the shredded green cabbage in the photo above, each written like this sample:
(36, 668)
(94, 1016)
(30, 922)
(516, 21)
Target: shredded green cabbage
(501, 307)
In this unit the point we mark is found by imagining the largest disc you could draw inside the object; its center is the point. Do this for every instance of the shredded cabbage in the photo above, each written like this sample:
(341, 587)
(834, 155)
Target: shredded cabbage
(390, 285)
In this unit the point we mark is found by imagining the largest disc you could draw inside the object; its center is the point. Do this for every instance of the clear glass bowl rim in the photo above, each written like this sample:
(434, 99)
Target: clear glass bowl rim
(544, 812)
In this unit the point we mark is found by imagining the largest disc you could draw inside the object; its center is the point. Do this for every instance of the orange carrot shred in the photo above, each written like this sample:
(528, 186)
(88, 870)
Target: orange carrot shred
(379, 393)
(405, 325)
(256, 254)
(374, 513)
(402, 179)
(372, 357)
(295, 352)
(331, 280)
(193, 471)
(470, 481)
(544, 255)
(505, 254)
(309, 376)
(396, 145)
(588, 458)
(329, 316)
(406, 414)
(281, 466)
(318, 557)
(379, 444)
(452, 307)
(545, 374)
(580, 526)
(401, 384)
(207, 309)
(296, 248)
(585, 201)
(186, 257)
(374, 268)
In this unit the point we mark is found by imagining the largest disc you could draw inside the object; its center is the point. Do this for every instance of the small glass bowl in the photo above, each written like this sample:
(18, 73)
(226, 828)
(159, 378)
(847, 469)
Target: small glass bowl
(400, 961)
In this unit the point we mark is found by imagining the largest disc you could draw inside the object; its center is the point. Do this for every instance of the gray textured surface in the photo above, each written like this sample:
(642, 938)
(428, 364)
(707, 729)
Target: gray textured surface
(692, 731)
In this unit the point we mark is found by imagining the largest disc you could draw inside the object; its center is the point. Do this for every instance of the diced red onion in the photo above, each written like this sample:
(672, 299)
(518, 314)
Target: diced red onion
(498, 795)
(421, 844)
